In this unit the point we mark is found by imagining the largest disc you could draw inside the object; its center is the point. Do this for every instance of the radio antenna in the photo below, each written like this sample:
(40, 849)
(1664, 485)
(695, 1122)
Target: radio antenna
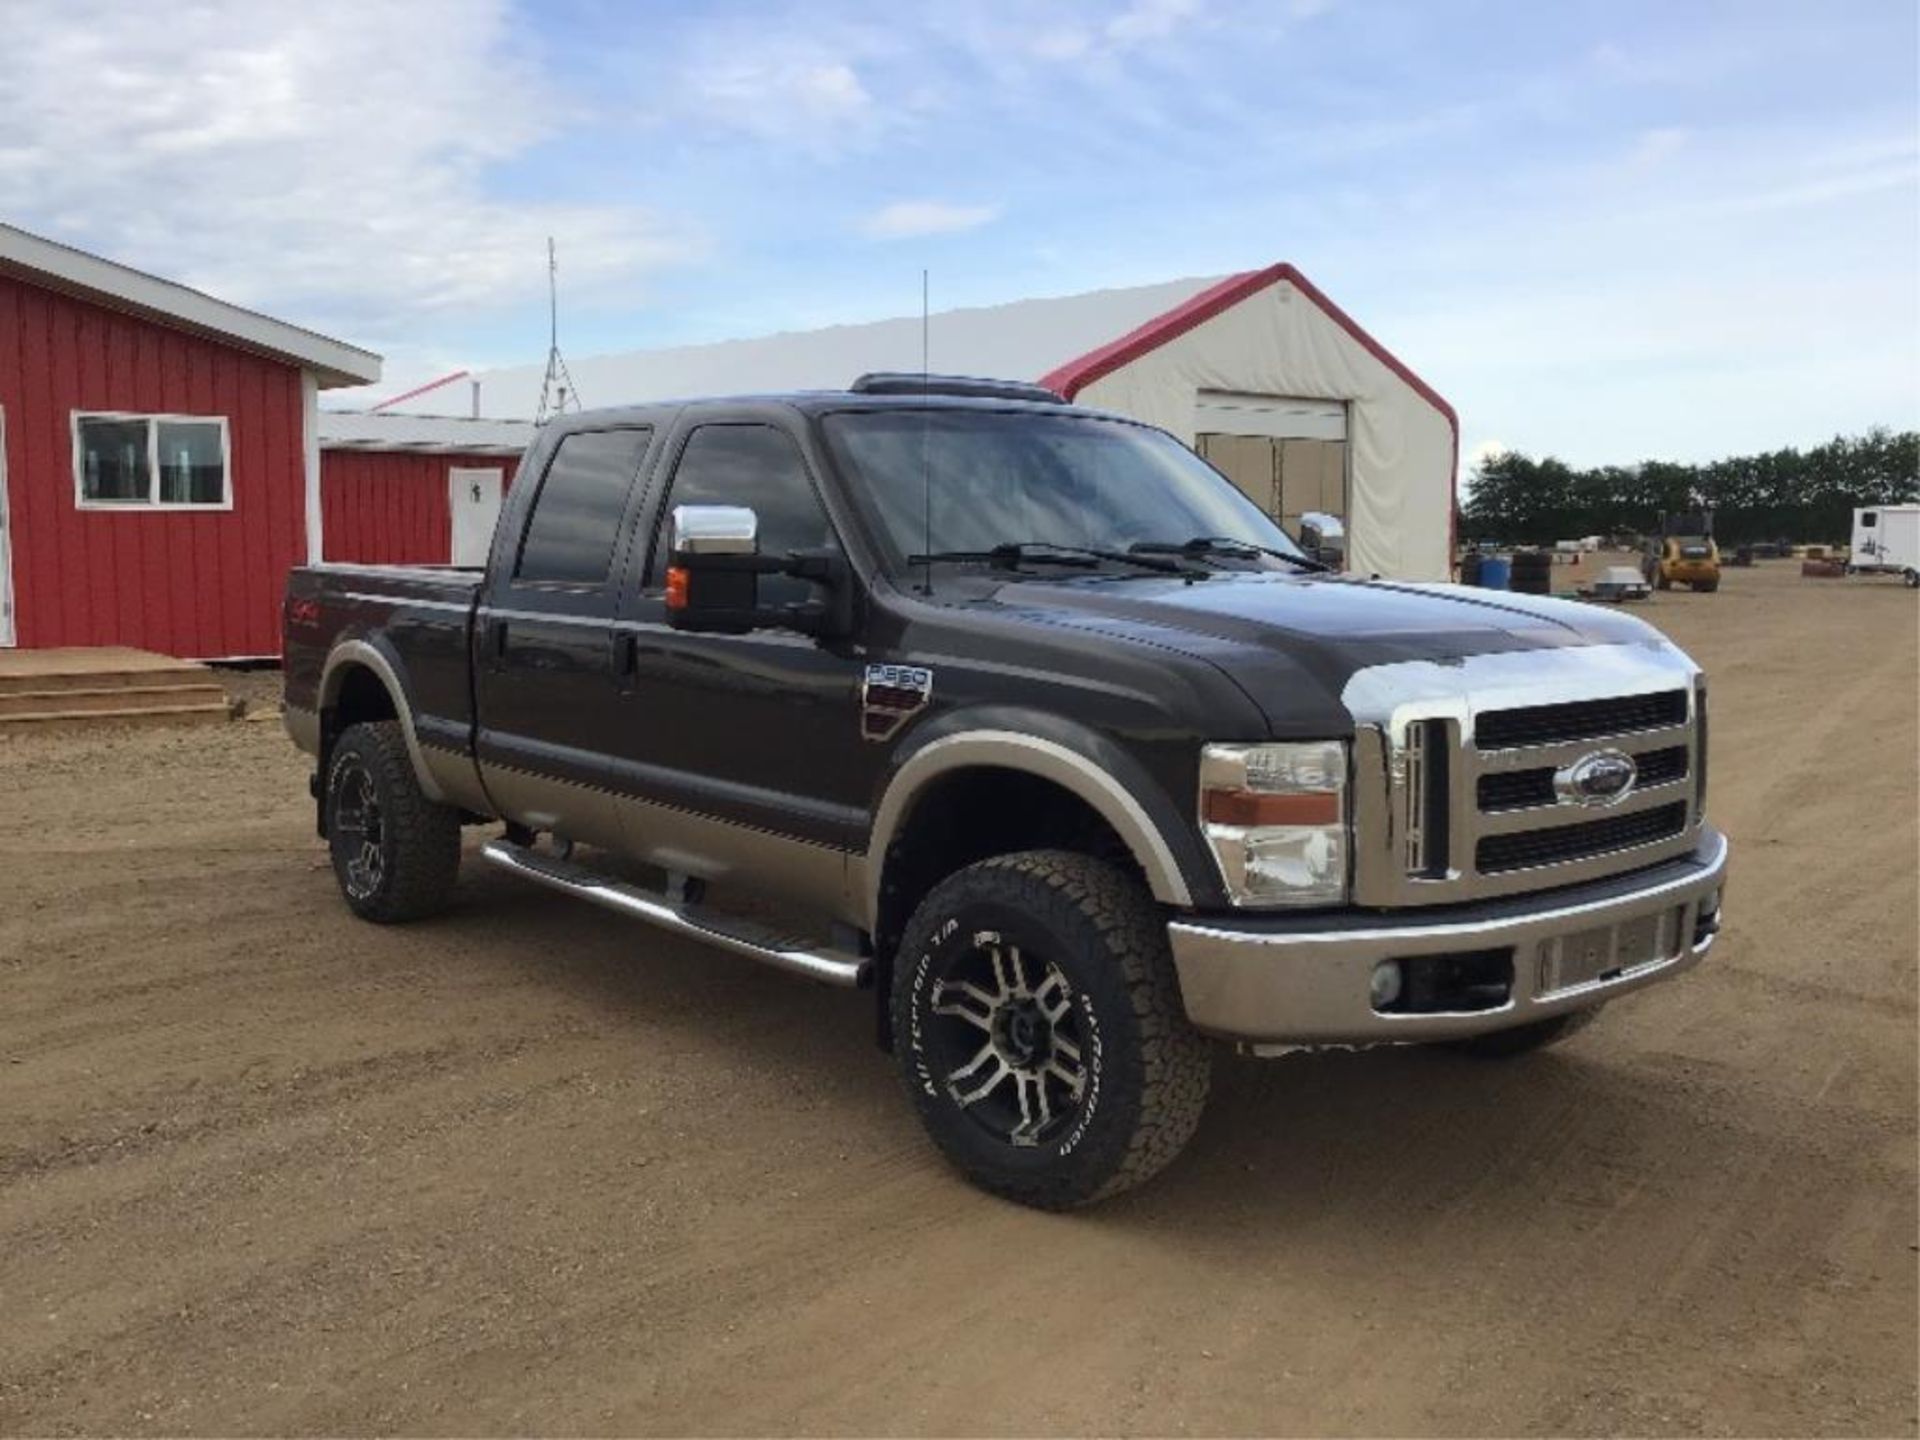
(557, 392)
(926, 437)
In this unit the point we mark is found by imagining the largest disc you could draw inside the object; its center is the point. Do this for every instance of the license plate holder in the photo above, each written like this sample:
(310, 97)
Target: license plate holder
(1589, 955)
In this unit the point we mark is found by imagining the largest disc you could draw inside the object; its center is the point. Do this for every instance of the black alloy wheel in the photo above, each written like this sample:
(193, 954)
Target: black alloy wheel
(396, 853)
(1039, 1028)
(1006, 1041)
(358, 830)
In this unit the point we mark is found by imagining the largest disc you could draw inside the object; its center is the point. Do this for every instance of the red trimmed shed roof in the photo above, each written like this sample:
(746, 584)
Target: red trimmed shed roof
(1074, 376)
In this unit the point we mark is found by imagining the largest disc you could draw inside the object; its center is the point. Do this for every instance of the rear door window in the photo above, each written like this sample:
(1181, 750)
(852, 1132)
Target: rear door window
(575, 523)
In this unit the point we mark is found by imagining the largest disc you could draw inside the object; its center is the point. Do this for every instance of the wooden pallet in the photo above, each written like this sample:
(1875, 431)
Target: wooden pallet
(106, 686)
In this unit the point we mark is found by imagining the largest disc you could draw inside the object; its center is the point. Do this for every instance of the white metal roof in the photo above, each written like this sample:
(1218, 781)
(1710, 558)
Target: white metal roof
(385, 430)
(1018, 341)
(47, 262)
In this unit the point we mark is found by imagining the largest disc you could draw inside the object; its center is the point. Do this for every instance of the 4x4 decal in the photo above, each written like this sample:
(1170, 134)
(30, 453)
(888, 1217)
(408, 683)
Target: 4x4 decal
(891, 695)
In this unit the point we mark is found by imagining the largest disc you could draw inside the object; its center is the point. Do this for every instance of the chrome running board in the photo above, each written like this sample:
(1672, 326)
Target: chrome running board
(742, 937)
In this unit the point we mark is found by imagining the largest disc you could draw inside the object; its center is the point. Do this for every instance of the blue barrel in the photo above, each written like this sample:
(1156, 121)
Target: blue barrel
(1496, 572)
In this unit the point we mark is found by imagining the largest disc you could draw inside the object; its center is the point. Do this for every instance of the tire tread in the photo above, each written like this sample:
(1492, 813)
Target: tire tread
(426, 834)
(1176, 1060)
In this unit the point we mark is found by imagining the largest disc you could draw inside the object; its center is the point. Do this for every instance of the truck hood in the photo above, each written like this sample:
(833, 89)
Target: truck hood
(1271, 632)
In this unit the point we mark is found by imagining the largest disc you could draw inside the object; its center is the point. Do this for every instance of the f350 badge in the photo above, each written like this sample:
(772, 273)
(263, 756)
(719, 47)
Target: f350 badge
(890, 696)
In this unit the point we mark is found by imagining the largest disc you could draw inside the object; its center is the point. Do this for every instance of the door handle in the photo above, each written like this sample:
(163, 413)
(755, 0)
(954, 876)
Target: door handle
(498, 640)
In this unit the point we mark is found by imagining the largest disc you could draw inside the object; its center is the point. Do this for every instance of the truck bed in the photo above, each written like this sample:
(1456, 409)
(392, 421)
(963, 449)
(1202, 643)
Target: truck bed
(417, 619)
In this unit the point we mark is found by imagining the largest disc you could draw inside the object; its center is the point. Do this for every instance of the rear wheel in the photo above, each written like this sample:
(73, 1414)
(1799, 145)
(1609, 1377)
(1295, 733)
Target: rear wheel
(1707, 587)
(1040, 1029)
(1912, 577)
(1525, 1039)
(396, 854)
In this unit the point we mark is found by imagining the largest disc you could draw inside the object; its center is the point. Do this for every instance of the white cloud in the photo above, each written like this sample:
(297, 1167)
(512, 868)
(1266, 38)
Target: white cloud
(793, 97)
(1652, 147)
(907, 219)
(1146, 20)
(1063, 42)
(1141, 23)
(325, 163)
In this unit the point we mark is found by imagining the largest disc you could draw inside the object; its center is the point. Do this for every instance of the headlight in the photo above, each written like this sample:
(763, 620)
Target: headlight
(1275, 817)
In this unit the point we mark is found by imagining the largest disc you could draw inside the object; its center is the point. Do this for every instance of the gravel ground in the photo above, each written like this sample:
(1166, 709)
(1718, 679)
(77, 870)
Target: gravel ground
(264, 1169)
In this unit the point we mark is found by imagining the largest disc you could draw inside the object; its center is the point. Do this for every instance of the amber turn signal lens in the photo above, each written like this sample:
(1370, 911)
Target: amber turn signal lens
(1251, 809)
(676, 588)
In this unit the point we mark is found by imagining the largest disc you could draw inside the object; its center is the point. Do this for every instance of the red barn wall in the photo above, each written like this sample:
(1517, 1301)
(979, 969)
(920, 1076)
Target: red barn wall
(389, 507)
(201, 584)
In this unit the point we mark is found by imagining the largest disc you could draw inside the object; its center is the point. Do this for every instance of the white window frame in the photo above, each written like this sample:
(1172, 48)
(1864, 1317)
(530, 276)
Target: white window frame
(153, 502)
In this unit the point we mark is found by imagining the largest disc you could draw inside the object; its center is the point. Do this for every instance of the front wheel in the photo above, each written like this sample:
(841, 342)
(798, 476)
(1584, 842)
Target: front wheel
(1912, 577)
(395, 853)
(1040, 1030)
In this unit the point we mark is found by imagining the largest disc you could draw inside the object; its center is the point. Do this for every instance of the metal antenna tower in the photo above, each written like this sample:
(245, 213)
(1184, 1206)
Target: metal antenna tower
(558, 393)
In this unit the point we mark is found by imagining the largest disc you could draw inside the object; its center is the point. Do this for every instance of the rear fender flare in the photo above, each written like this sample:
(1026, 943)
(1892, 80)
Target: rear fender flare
(350, 653)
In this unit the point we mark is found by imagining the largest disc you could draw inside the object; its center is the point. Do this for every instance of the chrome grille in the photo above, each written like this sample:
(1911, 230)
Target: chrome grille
(1520, 789)
(1466, 805)
(1580, 720)
(1525, 849)
(1426, 798)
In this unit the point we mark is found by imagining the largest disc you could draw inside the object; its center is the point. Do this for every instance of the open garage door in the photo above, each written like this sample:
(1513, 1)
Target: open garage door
(1287, 456)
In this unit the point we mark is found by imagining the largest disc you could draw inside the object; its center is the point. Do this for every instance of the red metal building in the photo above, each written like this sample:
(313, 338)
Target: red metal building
(412, 489)
(159, 457)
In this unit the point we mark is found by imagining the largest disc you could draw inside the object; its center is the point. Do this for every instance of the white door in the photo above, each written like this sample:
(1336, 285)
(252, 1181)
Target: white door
(6, 544)
(473, 499)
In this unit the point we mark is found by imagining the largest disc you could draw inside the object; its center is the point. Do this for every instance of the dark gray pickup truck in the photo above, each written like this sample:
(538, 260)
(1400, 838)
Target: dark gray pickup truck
(1078, 760)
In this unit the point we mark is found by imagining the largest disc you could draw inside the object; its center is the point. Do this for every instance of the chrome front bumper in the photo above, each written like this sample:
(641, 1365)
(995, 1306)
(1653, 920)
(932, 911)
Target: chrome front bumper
(1306, 980)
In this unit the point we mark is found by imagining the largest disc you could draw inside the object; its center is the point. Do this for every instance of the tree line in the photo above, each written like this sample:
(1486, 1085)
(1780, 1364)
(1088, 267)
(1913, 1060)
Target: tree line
(1807, 496)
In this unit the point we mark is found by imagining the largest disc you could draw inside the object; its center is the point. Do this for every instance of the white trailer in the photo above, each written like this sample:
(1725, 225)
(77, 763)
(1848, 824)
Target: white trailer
(1886, 541)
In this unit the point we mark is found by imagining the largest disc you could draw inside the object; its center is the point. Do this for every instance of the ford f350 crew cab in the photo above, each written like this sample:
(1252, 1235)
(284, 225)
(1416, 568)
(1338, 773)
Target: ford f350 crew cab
(1080, 762)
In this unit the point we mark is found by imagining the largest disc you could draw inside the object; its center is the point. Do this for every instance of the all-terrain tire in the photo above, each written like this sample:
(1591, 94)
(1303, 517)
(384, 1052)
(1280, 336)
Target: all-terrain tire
(1092, 934)
(1525, 1039)
(396, 854)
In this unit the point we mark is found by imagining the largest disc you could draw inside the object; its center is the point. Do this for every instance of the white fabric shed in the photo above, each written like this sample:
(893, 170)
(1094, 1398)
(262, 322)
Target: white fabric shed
(1259, 372)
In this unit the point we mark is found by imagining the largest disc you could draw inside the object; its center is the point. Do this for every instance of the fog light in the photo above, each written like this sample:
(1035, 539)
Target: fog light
(1386, 983)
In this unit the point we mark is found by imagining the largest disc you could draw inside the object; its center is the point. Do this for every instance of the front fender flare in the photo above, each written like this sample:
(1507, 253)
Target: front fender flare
(1047, 759)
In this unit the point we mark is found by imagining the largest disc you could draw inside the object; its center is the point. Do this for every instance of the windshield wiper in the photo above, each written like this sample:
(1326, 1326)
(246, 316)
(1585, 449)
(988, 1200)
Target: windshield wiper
(1202, 545)
(1046, 552)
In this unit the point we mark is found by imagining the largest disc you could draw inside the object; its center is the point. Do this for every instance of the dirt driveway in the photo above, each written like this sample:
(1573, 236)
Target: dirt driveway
(528, 1168)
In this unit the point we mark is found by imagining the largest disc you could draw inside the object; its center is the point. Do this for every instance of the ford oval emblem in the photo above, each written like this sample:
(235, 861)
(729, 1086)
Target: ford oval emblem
(1603, 778)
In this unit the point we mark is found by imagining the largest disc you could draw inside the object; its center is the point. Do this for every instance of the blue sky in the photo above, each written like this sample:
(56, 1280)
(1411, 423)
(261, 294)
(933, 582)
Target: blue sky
(1604, 230)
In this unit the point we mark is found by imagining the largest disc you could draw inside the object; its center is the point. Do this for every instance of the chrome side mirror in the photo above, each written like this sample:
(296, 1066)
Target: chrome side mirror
(1324, 538)
(713, 577)
(715, 530)
(713, 569)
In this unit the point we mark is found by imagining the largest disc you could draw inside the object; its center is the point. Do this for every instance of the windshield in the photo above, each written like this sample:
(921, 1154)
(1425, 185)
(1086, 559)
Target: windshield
(944, 481)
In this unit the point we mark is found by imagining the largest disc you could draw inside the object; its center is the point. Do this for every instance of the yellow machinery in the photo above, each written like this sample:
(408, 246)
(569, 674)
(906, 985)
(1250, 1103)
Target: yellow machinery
(1683, 560)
